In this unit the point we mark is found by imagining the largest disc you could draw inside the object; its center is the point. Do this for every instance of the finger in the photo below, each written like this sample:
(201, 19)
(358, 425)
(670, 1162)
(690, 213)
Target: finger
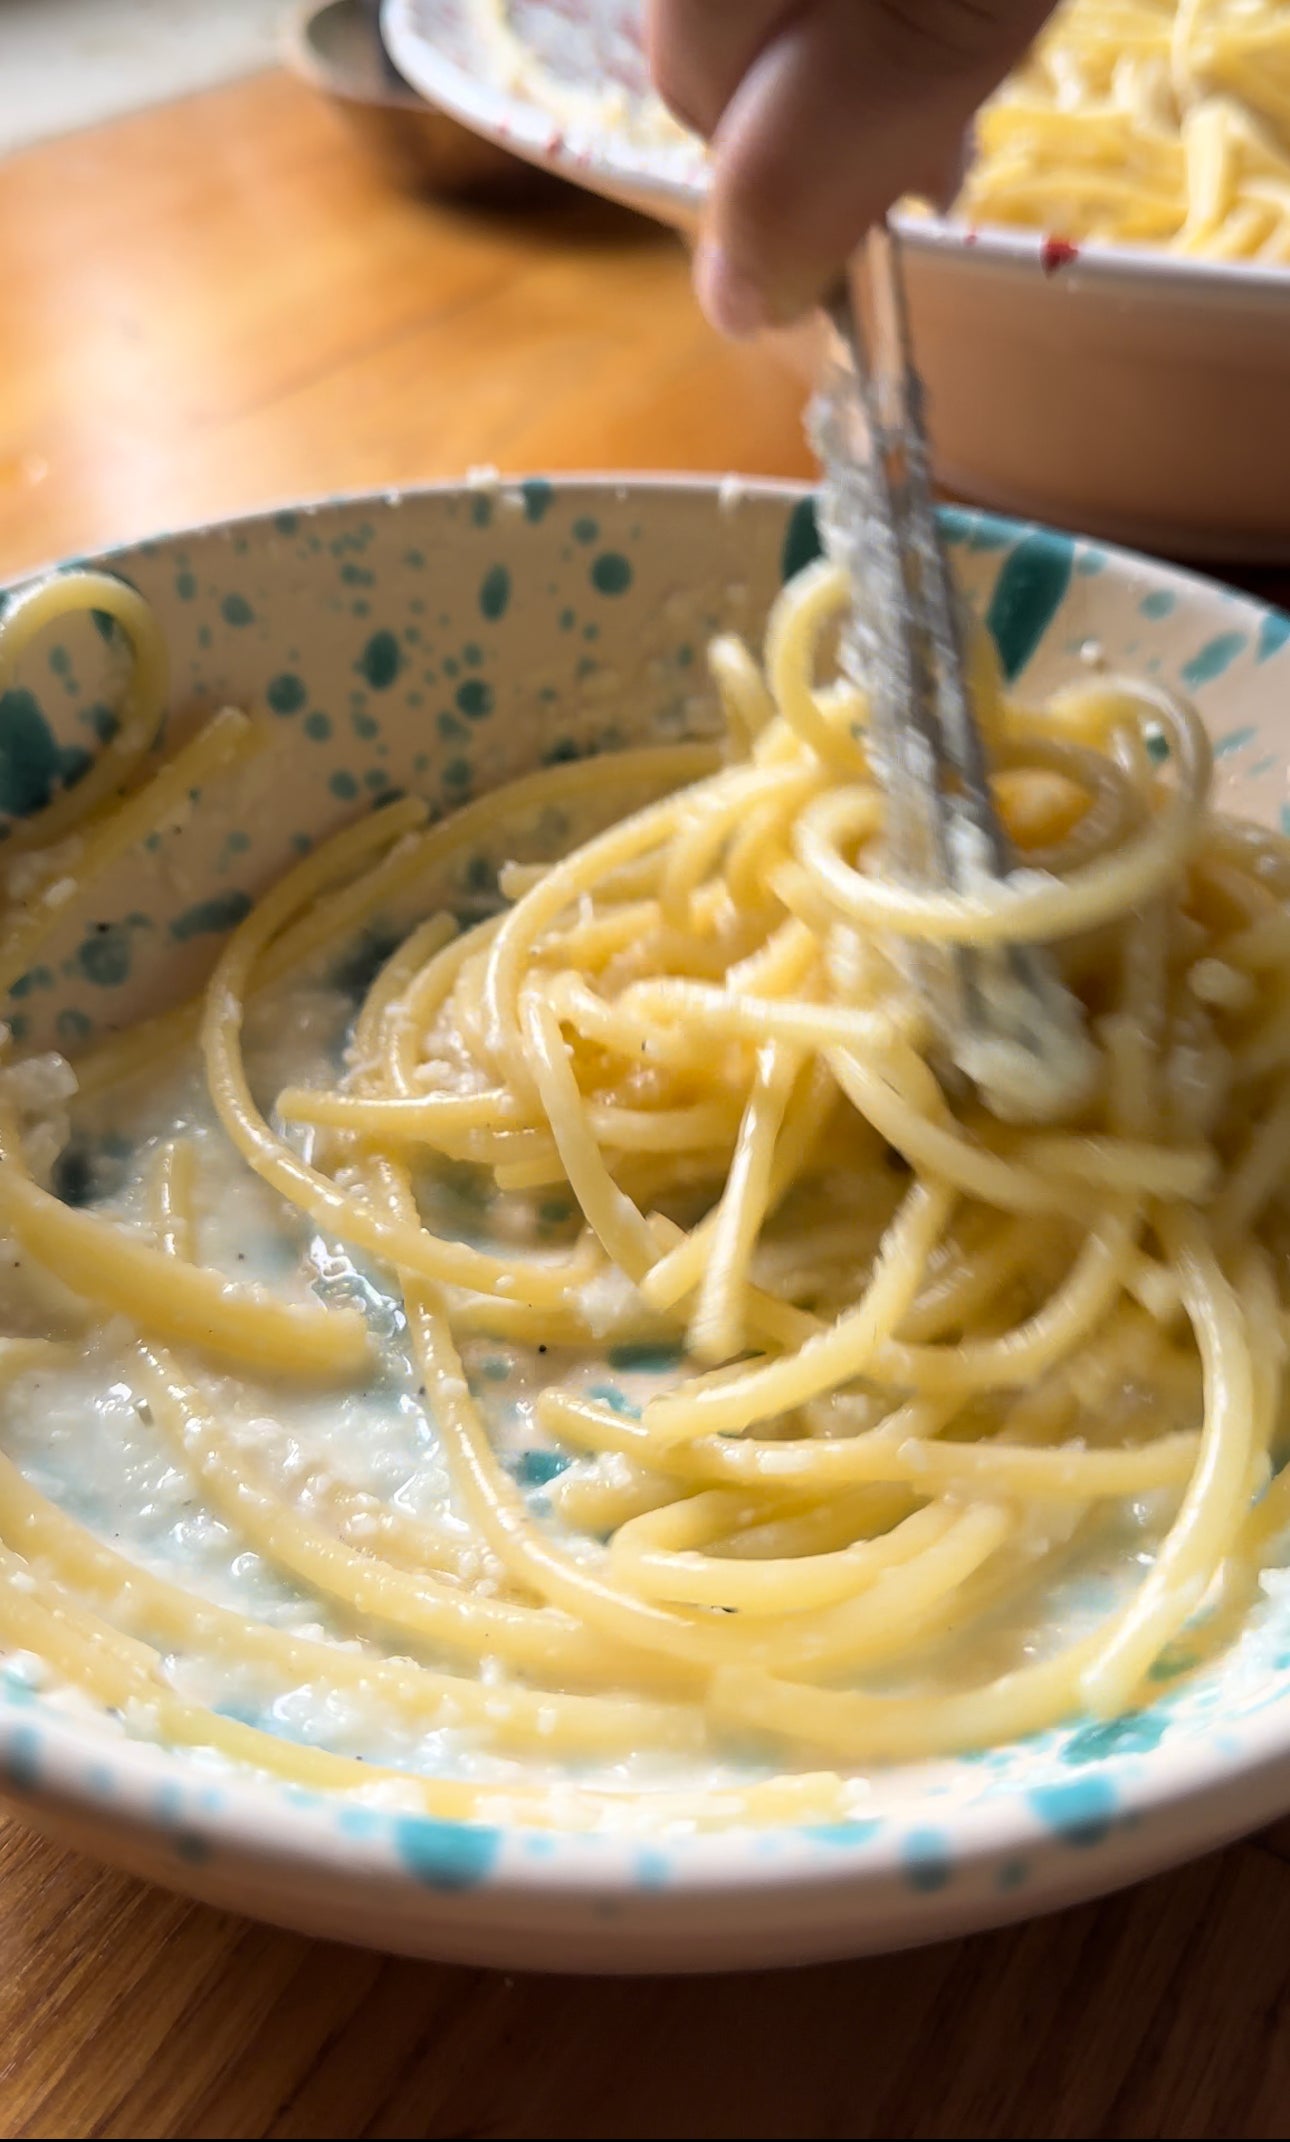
(700, 50)
(845, 110)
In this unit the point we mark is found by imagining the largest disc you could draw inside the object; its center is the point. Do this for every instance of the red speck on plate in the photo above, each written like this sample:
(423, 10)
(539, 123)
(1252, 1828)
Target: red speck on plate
(1057, 253)
(970, 237)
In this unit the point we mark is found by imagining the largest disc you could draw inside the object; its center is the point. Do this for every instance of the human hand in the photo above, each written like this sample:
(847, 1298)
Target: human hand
(821, 114)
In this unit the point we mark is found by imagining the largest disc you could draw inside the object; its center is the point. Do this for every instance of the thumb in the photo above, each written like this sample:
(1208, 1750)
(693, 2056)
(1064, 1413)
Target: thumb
(852, 104)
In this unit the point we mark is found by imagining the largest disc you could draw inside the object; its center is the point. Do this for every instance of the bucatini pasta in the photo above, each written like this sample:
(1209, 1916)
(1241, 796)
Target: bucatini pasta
(618, 1341)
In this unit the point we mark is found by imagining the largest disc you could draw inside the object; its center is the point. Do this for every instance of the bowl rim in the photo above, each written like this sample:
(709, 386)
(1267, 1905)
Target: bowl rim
(305, 56)
(524, 130)
(738, 486)
(1202, 1791)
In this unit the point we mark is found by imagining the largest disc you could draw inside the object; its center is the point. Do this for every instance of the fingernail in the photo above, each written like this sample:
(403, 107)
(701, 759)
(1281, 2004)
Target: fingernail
(730, 297)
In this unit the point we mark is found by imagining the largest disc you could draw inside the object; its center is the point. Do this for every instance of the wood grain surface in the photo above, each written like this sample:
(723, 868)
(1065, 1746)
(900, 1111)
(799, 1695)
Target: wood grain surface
(218, 305)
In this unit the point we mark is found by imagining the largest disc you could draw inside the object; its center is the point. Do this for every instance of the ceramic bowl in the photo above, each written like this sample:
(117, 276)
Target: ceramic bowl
(1125, 391)
(447, 640)
(336, 48)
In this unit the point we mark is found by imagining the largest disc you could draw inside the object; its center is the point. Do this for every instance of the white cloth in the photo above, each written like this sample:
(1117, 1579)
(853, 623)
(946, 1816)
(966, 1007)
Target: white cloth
(70, 63)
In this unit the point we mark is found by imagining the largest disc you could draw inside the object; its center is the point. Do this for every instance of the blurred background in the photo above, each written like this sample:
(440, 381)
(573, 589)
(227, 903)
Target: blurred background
(67, 63)
(243, 263)
(245, 259)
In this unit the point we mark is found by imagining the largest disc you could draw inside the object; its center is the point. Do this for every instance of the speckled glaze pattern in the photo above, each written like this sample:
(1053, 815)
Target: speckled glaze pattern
(445, 641)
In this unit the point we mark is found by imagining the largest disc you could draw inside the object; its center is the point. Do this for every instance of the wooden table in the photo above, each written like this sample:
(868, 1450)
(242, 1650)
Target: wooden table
(217, 305)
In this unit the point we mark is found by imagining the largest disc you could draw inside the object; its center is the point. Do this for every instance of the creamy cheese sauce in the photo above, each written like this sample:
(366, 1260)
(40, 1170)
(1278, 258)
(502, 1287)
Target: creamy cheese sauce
(365, 1461)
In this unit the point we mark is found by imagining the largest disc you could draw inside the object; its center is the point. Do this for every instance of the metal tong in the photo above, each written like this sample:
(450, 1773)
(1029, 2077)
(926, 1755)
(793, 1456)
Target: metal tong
(1003, 1016)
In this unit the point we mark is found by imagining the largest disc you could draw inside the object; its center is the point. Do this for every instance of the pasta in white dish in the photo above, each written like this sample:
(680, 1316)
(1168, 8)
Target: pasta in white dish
(1149, 122)
(1156, 122)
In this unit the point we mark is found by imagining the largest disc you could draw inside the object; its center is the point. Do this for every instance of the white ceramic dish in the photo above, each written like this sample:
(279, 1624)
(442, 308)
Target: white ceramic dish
(579, 658)
(1128, 392)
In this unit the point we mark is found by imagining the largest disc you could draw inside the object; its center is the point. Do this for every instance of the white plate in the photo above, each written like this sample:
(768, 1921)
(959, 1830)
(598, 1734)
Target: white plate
(1137, 395)
(305, 598)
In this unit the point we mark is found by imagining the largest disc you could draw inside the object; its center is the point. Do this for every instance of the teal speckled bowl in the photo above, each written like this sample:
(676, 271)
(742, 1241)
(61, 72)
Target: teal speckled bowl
(446, 640)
